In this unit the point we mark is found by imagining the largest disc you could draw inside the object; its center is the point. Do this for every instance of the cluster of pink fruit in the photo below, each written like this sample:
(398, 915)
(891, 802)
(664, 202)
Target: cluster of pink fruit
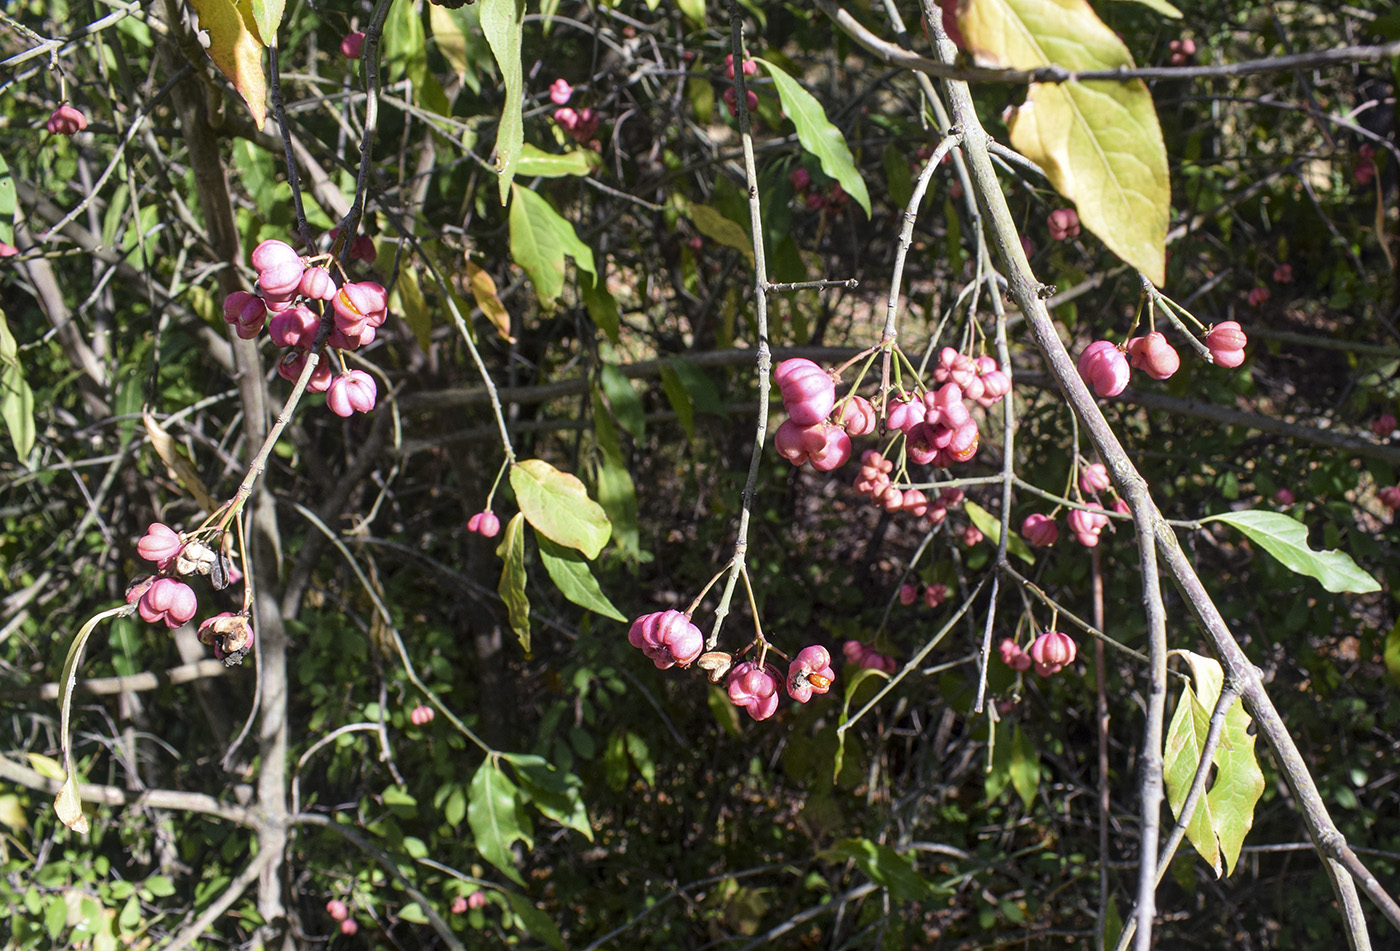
(668, 638)
(809, 396)
(162, 598)
(731, 98)
(1104, 367)
(287, 286)
(580, 124)
(933, 595)
(864, 656)
(1181, 51)
(421, 715)
(486, 524)
(1050, 653)
(1064, 224)
(462, 903)
(873, 480)
(834, 200)
(340, 912)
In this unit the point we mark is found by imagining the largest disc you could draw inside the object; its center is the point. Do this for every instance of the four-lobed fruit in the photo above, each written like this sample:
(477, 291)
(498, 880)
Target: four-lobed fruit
(1086, 525)
(810, 672)
(1154, 356)
(66, 120)
(421, 715)
(487, 524)
(1064, 224)
(1103, 367)
(1052, 652)
(1040, 530)
(755, 689)
(1226, 343)
(667, 638)
(352, 392)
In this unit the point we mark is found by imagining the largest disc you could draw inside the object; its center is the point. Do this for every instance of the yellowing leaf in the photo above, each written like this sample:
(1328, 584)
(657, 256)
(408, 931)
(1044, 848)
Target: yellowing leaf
(181, 469)
(236, 48)
(1099, 142)
(712, 224)
(483, 289)
(558, 506)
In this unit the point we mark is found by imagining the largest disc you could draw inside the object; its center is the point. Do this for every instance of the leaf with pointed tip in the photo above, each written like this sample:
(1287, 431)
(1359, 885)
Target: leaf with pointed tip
(236, 48)
(1287, 540)
(501, 23)
(539, 240)
(558, 506)
(989, 525)
(571, 575)
(267, 15)
(67, 804)
(512, 584)
(491, 814)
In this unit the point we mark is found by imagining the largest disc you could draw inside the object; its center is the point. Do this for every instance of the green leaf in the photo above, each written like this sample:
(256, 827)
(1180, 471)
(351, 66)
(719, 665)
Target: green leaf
(860, 677)
(558, 506)
(159, 886)
(712, 223)
(1237, 787)
(536, 922)
(725, 713)
(539, 240)
(1162, 7)
(554, 793)
(458, 37)
(1025, 767)
(640, 753)
(9, 348)
(818, 135)
(511, 587)
(236, 48)
(267, 15)
(694, 11)
(679, 398)
(689, 390)
(622, 397)
(601, 305)
(501, 24)
(67, 804)
(1392, 652)
(413, 307)
(1287, 540)
(1186, 736)
(571, 575)
(491, 814)
(882, 865)
(989, 525)
(1099, 142)
(17, 409)
(55, 916)
(541, 164)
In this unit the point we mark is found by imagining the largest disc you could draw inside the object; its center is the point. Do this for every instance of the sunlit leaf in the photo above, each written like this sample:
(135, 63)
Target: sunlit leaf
(492, 817)
(179, 466)
(236, 48)
(882, 865)
(571, 575)
(539, 241)
(555, 793)
(267, 15)
(1287, 540)
(989, 525)
(534, 162)
(818, 135)
(1185, 739)
(67, 804)
(558, 506)
(535, 921)
(714, 225)
(1099, 142)
(17, 408)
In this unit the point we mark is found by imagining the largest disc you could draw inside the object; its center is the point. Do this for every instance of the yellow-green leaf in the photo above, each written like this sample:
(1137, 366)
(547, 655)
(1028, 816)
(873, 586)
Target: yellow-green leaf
(267, 15)
(180, 467)
(236, 48)
(558, 506)
(539, 241)
(511, 587)
(491, 814)
(719, 229)
(413, 307)
(501, 23)
(1185, 738)
(535, 162)
(483, 289)
(571, 575)
(1099, 142)
(989, 525)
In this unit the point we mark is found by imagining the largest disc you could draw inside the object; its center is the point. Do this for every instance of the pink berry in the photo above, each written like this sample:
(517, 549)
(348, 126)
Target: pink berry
(1052, 652)
(871, 659)
(731, 100)
(168, 600)
(317, 284)
(421, 715)
(352, 392)
(810, 672)
(1283, 274)
(853, 651)
(754, 689)
(904, 414)
(486, 524)
(358, 304)
(935, 594)
(667, 638)
(1122, 507)
(801, 179)
(1153, 355)
(66, 120)
(246, 312)
(1258, 296)
(476, 900)
(337, 910)
(294, 327)
(349, 926)
(1383, 425)
(352, 45)
(1226, 343)
(559, 92)
(8, 250)
(858, 417)
(809, 393)
(915, 502)
(1103, 366)
(1040, 530)
(908, 594)
(1013, 656)
(294, 361)
(1064, 224)
(1284, 497)
(950, 497)
(161, 544)
(1086, 526)
(835, 451)
(1093, 478)
(1390, 497)
(459, 905)
(972, 535)
(342, 340)
(567, 118)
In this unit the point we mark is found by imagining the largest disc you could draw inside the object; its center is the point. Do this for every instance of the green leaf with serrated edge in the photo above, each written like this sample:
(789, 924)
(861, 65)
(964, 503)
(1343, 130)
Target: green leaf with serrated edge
(511, 587)
(1238, 784)
(1186, 737)
(818, 135)
(491, 814)
(1287, 540)
(558, 506)
(538, 163)
(501, 24)
(1392, 652)
(67, 804)
(860, 677)
(17, 409)
(989, 525)
(622, 397)
(575, 581)
(539, 241)
(679, 398)
(882, 865)
(1025, 767)
(236, 48)
(1162, 7)
(1099, 143)
(534, 921)
(555, 793)
(267, 15)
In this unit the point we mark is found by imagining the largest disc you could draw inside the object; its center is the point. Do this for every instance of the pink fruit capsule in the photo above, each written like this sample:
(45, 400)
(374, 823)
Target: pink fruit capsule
(1103, 367)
